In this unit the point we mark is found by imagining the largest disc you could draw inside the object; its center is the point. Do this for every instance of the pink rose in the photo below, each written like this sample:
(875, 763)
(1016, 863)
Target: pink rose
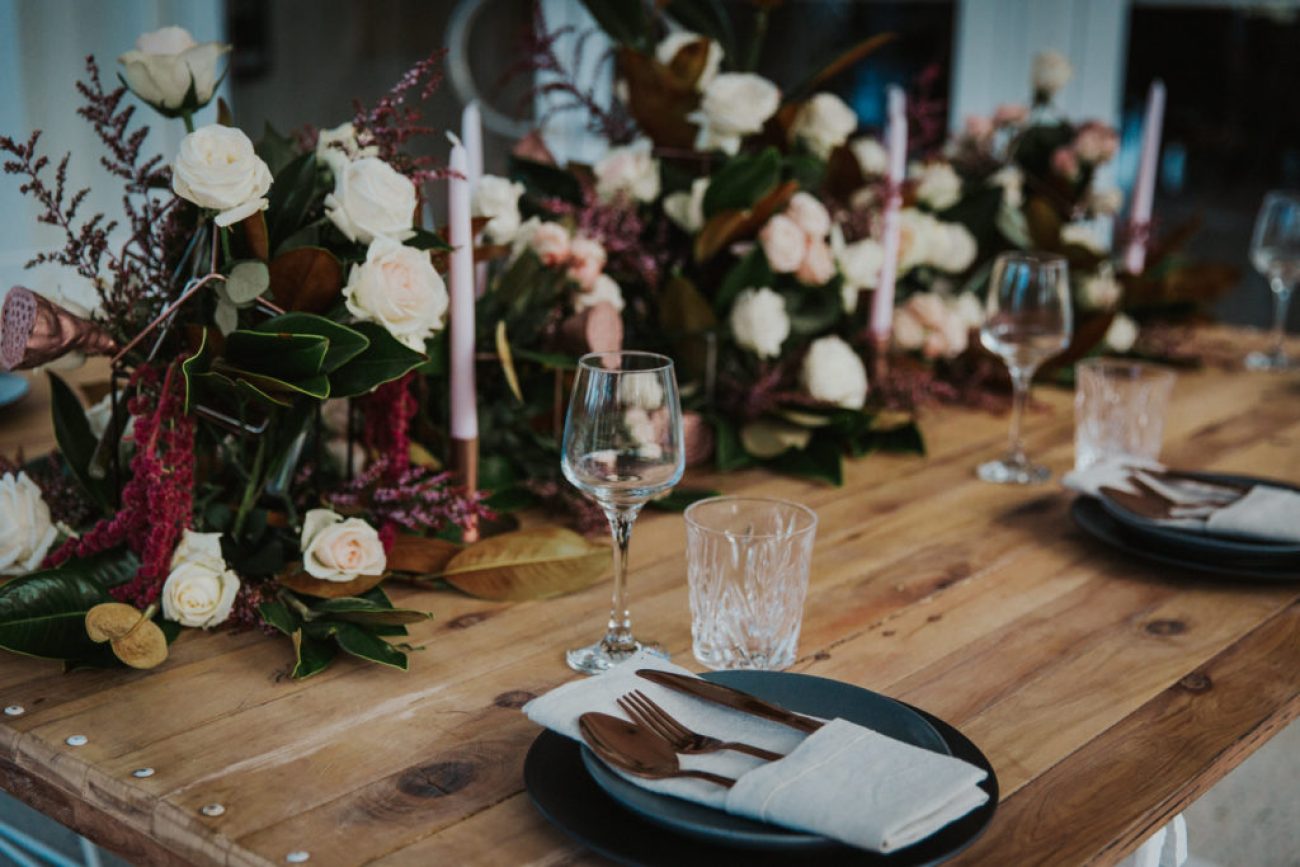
(1009, 114)
(1096, 142)
(550, 241)
(978, 126)
(334, 549)
(586, 261)
(932, 325)
(1065, 163)
(809, 215)
(783, 244)
(818, 265)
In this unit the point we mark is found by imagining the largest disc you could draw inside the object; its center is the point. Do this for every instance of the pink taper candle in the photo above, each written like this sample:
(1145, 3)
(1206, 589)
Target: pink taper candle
(1144, 187)
(882, 303)
(471, 133)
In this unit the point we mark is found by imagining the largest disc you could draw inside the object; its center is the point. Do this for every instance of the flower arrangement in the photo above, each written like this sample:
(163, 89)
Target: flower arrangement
(249, 287)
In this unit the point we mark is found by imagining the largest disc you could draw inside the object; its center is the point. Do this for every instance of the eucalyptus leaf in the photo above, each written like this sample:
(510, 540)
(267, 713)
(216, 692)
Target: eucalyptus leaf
(247, 281)
(226, 316)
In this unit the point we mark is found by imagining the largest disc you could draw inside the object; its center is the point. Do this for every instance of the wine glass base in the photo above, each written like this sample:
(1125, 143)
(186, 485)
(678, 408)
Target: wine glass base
(1270, 361)
(598, 657)
(1006, 472)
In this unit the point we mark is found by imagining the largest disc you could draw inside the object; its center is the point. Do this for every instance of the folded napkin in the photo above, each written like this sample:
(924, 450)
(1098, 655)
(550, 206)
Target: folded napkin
(844, 781)
(1264, 513)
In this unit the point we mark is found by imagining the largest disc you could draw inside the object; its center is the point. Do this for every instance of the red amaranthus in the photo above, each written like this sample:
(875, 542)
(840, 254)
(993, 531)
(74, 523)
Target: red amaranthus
(157, 502)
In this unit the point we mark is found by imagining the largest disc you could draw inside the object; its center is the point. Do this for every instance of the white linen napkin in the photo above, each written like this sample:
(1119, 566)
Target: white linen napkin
(1264, 513)
(844, 781)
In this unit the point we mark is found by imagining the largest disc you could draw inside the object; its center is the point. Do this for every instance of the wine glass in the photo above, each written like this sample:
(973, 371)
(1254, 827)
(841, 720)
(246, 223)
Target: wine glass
(1028, 322)
(622, 446)
(1275, 253)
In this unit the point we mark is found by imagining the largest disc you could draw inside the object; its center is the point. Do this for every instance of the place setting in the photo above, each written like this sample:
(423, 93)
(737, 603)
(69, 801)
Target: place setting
(647, 763)
(1220, 523)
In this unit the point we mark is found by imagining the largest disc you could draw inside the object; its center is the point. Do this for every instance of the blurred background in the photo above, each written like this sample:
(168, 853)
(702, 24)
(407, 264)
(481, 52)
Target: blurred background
(1232, 131)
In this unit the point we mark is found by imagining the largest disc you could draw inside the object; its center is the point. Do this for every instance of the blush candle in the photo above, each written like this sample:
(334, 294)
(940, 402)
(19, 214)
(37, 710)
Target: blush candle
(882, 303)
(1144, 186)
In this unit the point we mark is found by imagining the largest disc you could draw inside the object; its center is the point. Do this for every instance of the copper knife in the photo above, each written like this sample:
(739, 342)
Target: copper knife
(729, 697)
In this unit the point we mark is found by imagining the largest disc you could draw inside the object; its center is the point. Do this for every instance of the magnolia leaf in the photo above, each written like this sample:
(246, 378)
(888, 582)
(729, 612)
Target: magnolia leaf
(279, 355)
(683, 310)
(256, 237)
(845, 61)
(44, 614)
(277, 614)
(507, 362)
(383, 360)
(527, 564)
(364, 644)
(247, 281)
(727, 227)
(314, 655)
(344, 343)
(367, 612)
(657, 98)
(421, 555)
(767, 438)
(300, 582)
(742, 182)
(306, 278)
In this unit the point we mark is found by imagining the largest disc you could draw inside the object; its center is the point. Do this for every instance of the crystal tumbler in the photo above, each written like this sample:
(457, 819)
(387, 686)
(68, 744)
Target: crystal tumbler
(1119, 410)
(747, 562)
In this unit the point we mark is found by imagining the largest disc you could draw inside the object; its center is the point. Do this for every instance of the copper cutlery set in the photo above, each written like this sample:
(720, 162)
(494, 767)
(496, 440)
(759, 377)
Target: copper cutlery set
(648, 746)
(1166, 494)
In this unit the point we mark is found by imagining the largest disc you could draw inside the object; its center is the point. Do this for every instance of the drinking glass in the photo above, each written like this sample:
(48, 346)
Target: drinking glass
(1275, 253)
(1028, 321)
(747, 562)
(622, 446)
(1119, 410)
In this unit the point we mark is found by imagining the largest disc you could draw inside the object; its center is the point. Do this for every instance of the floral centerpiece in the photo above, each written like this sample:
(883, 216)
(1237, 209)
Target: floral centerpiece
(246, 288)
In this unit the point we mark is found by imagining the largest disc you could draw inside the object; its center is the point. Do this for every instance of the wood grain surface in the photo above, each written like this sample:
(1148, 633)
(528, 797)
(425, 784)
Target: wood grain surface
(1107, 693)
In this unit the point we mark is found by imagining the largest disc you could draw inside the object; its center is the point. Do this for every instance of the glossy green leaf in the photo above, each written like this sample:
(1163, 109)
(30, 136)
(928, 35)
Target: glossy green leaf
(364, 644)
(742, 182)
(76, 442)
(277, 614)
(751, 272)
(44, 614)
(383, 360)
(344, 343)
(423, 239)
(198, 363)
(293, 191)
(313, 654)
(283, 356)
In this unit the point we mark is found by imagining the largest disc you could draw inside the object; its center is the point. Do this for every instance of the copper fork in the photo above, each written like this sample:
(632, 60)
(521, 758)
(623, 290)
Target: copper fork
(644, 711)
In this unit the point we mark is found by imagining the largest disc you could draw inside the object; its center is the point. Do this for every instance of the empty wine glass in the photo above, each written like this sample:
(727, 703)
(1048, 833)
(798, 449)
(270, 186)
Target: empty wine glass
(622, 446)
(1028, 321)
(1275, 253)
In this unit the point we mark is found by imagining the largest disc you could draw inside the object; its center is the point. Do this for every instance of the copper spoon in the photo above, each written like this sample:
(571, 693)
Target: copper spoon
(637, 750)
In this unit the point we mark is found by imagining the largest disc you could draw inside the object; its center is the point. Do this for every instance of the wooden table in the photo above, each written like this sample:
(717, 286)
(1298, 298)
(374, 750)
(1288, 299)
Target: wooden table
(1108, 694)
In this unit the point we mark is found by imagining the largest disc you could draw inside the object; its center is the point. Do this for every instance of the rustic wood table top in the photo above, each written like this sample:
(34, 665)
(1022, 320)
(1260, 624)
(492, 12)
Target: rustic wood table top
(1108, 693)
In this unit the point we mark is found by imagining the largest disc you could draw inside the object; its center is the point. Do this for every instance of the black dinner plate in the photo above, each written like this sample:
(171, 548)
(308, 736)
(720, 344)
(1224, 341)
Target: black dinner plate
(565, 793)
(1187, 542)
(815, 695)
(1091, 517)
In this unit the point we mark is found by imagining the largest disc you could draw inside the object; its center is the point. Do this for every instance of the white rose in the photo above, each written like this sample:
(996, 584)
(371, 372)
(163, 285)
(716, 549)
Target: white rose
(953, 248)
(217, 168)
(783, 244)
(1122, 333)
(603, 291)
(630, 171)
(938, 184)
(833, 373)
(871, 155)
(371, 199)
(824, 123)
(586, 262)
(908, 331)
(759, 322)
(334, 549)
(968, 310)
(1012, 182)
(550, 241)
(735, 104)
(398, 287)
(1085, 235)
(860, 263)
(498, 199)
(687, 209)
(809, 214)
(200, 590)
(339, 146)
(932, 324)
(1051, 72)
(1106, 202)
(1100, 291)
(26, 531)
(917, 231)
(667, 49)
(818, 266)
(166, 64)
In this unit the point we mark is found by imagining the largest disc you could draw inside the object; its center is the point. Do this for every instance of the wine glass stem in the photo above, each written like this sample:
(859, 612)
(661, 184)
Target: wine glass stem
(618, 637)
(1020, 379)
(1281, 300)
